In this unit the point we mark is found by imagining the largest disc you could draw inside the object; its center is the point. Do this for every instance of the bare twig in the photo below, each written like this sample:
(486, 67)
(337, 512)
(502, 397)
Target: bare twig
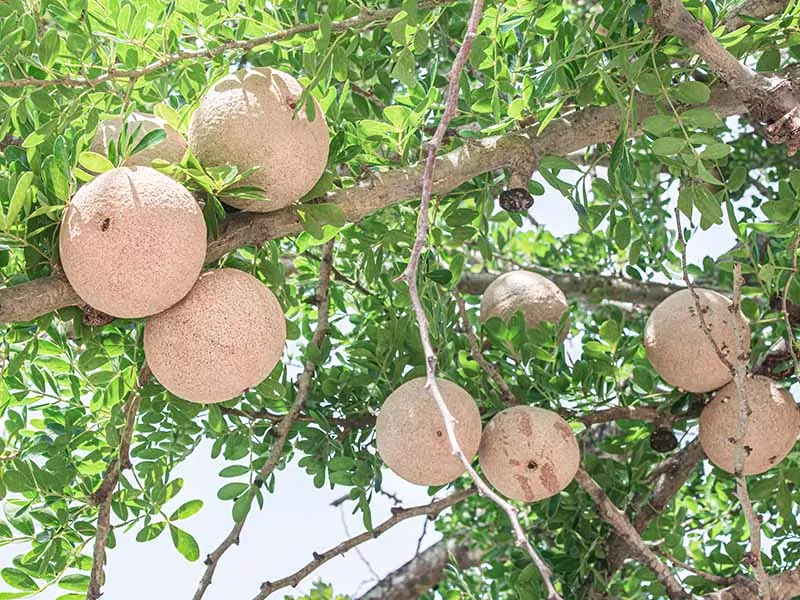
(617, 519)
(366, 19)
(790, 339)
(715, 579)
(104, 494)
(431, 510)
(489, 369)
(410, 275)
(360, 554)
(282, 429)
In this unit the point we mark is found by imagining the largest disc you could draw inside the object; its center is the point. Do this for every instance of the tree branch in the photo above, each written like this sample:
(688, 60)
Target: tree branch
(617, 519)
(423, 571)
(366, 19)
(380, 189)
(431, 510)
(774, 100)
(104, 494)
(281, 431)
(757, 9)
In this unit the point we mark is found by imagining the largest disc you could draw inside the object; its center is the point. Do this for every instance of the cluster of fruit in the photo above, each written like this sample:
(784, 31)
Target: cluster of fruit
(133, 240)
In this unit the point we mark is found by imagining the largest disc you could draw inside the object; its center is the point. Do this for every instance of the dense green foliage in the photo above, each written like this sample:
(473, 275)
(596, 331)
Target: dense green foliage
(64, 383)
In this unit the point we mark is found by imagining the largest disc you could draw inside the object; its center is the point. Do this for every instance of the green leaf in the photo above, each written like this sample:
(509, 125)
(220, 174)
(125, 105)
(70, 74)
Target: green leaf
(242, 507)
(703, 118)
(150, 532)
(692, 92)
(609, 331)
(18, 579)
(668, 146)
(716, 151)
(404, 68)
(149, 140)
(185, 543)
(659, 124)
(94, 162)
(186, 510)
(229, 491)
(74, 583)
(18, 197)
(234, 471)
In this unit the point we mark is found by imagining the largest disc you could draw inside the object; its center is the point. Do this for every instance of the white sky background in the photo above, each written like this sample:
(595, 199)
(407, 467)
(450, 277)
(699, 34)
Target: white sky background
(298, 518)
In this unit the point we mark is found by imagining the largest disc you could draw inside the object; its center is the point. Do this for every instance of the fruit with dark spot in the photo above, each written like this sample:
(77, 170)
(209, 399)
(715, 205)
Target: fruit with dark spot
(680, 350)
(133, 242)
(411, 435)
(172, 148)
(222, 339)
(539, 299)
(248, 119)
(772, 425)
(528, 453)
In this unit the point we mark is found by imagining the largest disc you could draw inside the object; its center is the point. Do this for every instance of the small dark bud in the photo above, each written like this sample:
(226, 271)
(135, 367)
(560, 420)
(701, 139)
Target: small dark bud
(258, 482)
(516, 200)
(663, 440)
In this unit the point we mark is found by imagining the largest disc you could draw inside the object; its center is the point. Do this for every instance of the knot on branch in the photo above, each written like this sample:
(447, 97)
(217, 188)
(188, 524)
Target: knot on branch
(779, 107)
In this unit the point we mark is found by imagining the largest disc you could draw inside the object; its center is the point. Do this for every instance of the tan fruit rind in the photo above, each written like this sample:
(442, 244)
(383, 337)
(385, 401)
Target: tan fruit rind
(528, 453)
(225, 337)
(411, 435)
(132, 242)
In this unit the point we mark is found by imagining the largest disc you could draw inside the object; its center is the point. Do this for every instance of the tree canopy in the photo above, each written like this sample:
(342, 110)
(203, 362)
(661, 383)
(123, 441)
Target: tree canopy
(650, 121)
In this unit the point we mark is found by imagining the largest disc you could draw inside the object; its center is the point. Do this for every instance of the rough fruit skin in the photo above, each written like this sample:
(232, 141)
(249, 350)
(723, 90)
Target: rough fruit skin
(133, 242)
(680, 350)
(528, 453)
(773, 425)
(247, 119)
(222, 339)
(171, 149)
(411, 436)
(539, 299)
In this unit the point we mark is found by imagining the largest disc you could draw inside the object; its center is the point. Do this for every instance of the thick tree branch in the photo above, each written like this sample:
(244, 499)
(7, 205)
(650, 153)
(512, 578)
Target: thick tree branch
(577, 130)
(366, 19)
(431, 510)
(104, 494)
(281, 431)
(424, 571)
(774, 100)
(783, 586)
(757, 9)
(625, 529)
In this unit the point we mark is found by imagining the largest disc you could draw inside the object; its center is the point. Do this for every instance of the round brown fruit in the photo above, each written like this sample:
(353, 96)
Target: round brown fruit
(539, 299)
(222, 339)
(773, 424)
(248, 119)
(172, 148)
(680, 350)
(528, 453)
(411, 436)
(132, 242)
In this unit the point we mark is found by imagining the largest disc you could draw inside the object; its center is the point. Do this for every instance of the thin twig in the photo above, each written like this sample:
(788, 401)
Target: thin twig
(104, 494)
(790, 339)
(739, 372)
(741, 452)
(411, 274)
(281, 431)
(490, 369)
(360, 554)
(431, 510)
(622, 525)
(715, 579)
(367, 95)
(366, 19)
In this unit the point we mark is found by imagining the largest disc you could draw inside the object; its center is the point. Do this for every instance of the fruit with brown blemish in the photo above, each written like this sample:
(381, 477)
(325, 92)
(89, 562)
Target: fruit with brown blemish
(411, 435)
(132, 242)
(225, 337)
(528, 453)
(249, 119)
(171, 148)
(772, 425)
(681, 352)
(539, 299)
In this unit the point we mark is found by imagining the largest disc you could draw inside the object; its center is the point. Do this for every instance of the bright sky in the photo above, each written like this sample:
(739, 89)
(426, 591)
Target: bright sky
(298, 518)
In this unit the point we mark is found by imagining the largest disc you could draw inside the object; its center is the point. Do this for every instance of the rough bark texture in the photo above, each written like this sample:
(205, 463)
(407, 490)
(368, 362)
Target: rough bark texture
(757, 9)
(774, 100)
(783, 586)
(577, 130)
(423, 572)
